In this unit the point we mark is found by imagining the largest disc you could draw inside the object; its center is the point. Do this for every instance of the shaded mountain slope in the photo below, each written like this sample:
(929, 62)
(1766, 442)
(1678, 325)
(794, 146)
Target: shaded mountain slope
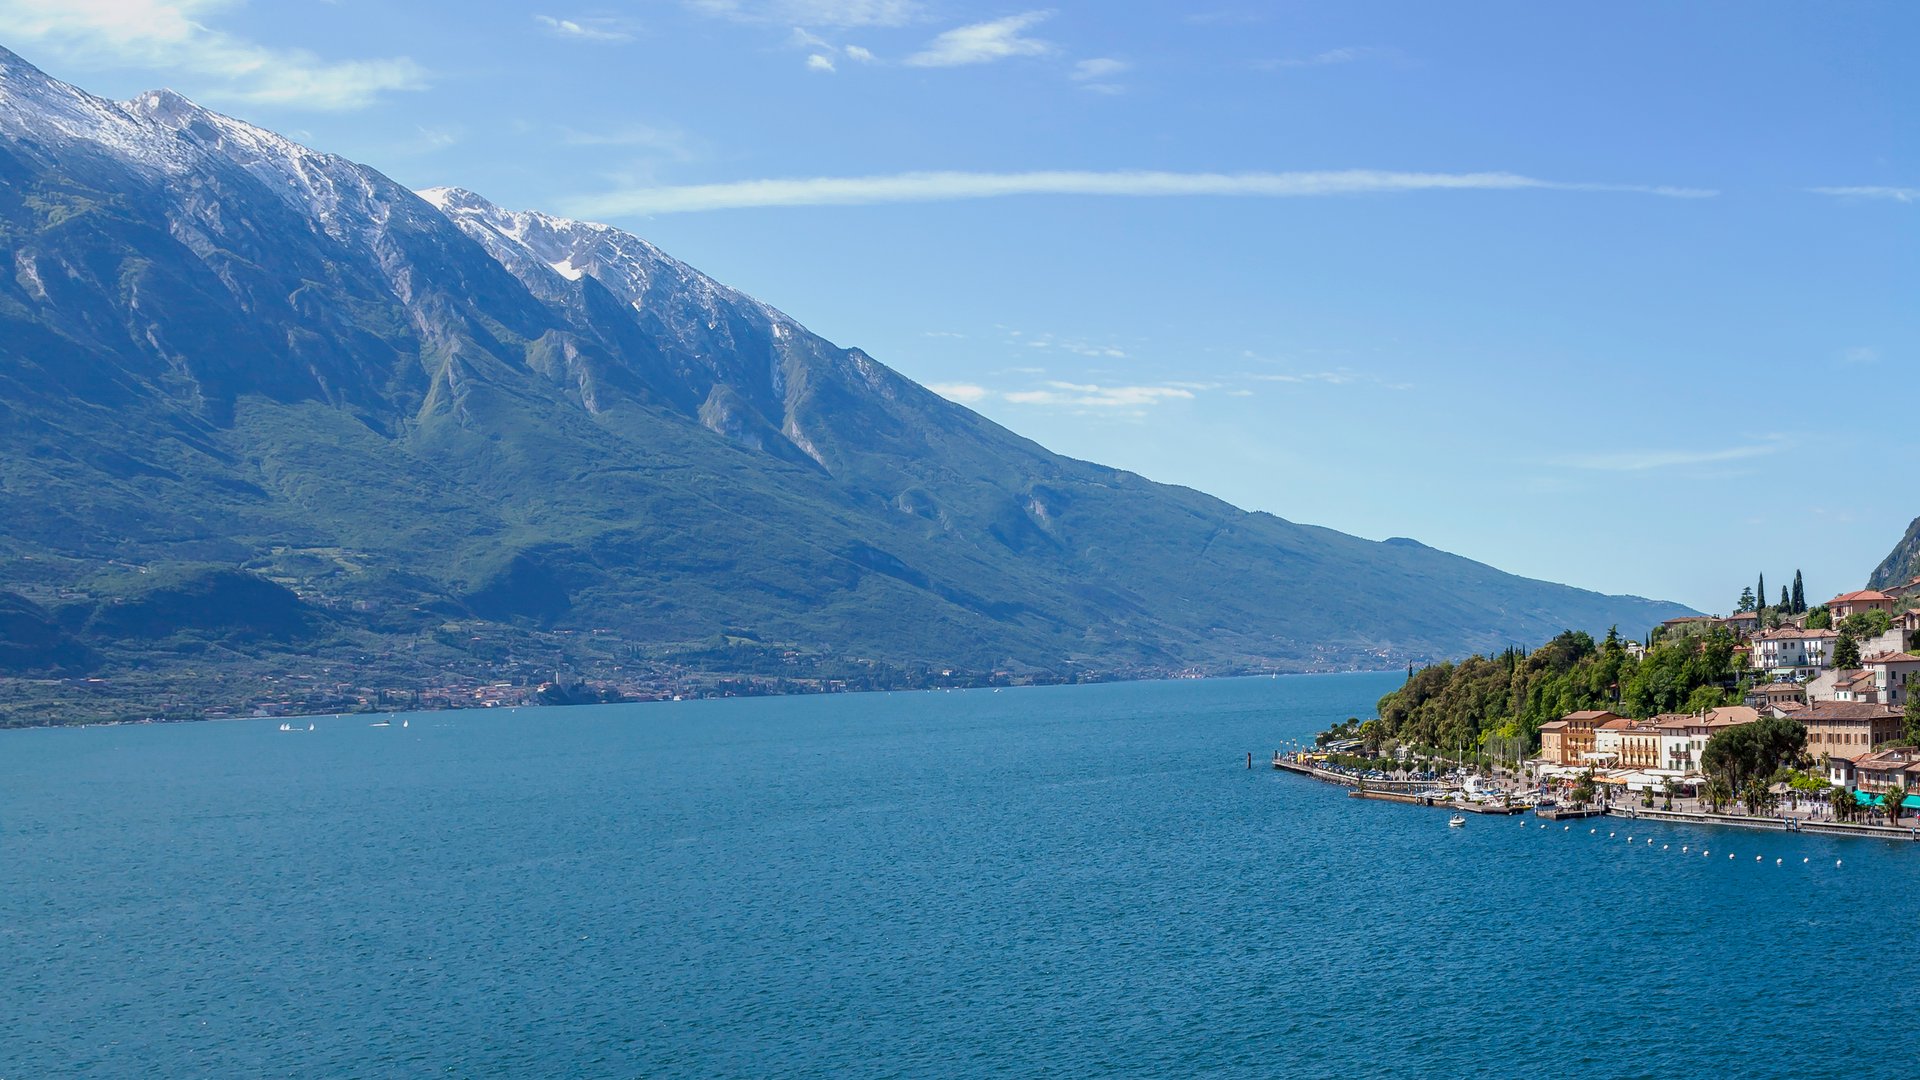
(220, 347)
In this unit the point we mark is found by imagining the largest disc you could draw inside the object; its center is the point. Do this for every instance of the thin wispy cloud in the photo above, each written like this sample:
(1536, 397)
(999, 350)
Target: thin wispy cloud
(1096, 396)
(948, 186)
(665, 142)
(1339, 377)
(820, 62)
(1643, 460)
(1101, 67)
(1057, 393)
(834, 13)
(1097, 75)
(1895, 194)
(604, 30)
(173, 35)
(964, 393)
(1326, 58)
(983, 43)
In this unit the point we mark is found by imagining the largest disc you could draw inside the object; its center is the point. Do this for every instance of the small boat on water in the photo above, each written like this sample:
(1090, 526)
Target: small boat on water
(1456, 821)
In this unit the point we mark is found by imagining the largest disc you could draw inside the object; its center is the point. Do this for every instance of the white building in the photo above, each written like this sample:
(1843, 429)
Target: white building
(1790, 652)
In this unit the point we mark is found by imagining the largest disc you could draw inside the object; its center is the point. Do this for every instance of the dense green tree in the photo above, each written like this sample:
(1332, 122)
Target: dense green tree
(1372, 732)
(1746, 601)
(1867, 624)
(1819, 618)
(1754, 751)
(1799, 604)
(1846, 651)
(1894, 802)
(1842, 802)
(1786, 602)
(1912, 716)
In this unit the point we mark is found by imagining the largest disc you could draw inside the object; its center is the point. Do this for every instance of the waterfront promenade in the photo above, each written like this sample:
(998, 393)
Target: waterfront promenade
(1431, 793)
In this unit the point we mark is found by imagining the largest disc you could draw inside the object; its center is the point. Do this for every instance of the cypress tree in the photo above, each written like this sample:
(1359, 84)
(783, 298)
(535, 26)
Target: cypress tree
(1799, 595)
(1786, 604)
(1846, 652)
(1760, 594)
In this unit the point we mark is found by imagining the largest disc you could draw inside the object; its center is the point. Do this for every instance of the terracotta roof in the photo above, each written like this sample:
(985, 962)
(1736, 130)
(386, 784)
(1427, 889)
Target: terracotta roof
(1898, 757)
(1859, 596)
(1554, 725)
(1789, 706)
(1616, 724)
(1891, 658)
(1675, 720)
(1729, 715)
(1588, 714)
(1847, 710)
(1691, 618)
(1791, 632)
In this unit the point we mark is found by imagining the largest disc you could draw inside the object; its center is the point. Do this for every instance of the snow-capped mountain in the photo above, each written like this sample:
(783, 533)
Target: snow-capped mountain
(218, 345)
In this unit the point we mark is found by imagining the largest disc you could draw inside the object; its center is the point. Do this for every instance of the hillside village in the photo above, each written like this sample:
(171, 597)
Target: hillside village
(1841, 671)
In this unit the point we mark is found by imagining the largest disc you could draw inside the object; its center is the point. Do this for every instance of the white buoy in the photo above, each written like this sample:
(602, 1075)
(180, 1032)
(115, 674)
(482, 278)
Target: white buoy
(1543, 824)
(1649, 840)
(1566, 828)
(1629, 839)
(1610, 836)
(1777, 862)
(1729, 854)
(1806, 860)
(1759, 858)
(1836, 862)
(1664, 847)
(1683, 849)
(1590, 832)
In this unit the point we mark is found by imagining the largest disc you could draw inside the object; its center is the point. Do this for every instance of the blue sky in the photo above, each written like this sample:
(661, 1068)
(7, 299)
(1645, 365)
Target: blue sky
(1623, 295)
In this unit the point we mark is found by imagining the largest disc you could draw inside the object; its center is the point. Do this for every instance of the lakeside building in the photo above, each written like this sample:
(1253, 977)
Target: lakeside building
(1607, 739)
(1640, 746)
(1767, 695)
(1793, 653)
(1861, 600)
(1876, 772)
(1892, 671)
(1842, 732)
(1553, 742)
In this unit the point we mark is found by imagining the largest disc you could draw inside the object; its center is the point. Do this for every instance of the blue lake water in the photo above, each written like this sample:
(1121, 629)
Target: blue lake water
(1070, 880)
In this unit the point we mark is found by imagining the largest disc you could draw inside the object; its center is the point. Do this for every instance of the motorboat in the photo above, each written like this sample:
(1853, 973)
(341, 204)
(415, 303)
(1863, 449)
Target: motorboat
(1456, 821)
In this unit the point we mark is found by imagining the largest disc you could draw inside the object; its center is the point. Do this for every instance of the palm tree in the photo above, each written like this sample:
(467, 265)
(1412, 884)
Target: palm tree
(1895, 796)
(1672, 790)
(1718, 792)
(1843, 803)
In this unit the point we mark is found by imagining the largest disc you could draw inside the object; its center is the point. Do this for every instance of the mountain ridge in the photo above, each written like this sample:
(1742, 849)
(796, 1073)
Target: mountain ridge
(438, 422)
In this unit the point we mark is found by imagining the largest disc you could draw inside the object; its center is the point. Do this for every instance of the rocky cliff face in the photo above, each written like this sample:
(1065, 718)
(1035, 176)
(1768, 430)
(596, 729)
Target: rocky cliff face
(1902, 564)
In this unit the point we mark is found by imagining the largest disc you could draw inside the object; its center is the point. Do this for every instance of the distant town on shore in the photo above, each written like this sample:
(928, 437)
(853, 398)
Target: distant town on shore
(1778, 708)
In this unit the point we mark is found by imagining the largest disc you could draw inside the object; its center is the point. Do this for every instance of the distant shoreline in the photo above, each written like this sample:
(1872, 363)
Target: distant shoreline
(410, 711)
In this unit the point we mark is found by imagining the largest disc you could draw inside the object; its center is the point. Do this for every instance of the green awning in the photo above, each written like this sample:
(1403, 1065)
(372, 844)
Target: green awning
(1911, 802)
